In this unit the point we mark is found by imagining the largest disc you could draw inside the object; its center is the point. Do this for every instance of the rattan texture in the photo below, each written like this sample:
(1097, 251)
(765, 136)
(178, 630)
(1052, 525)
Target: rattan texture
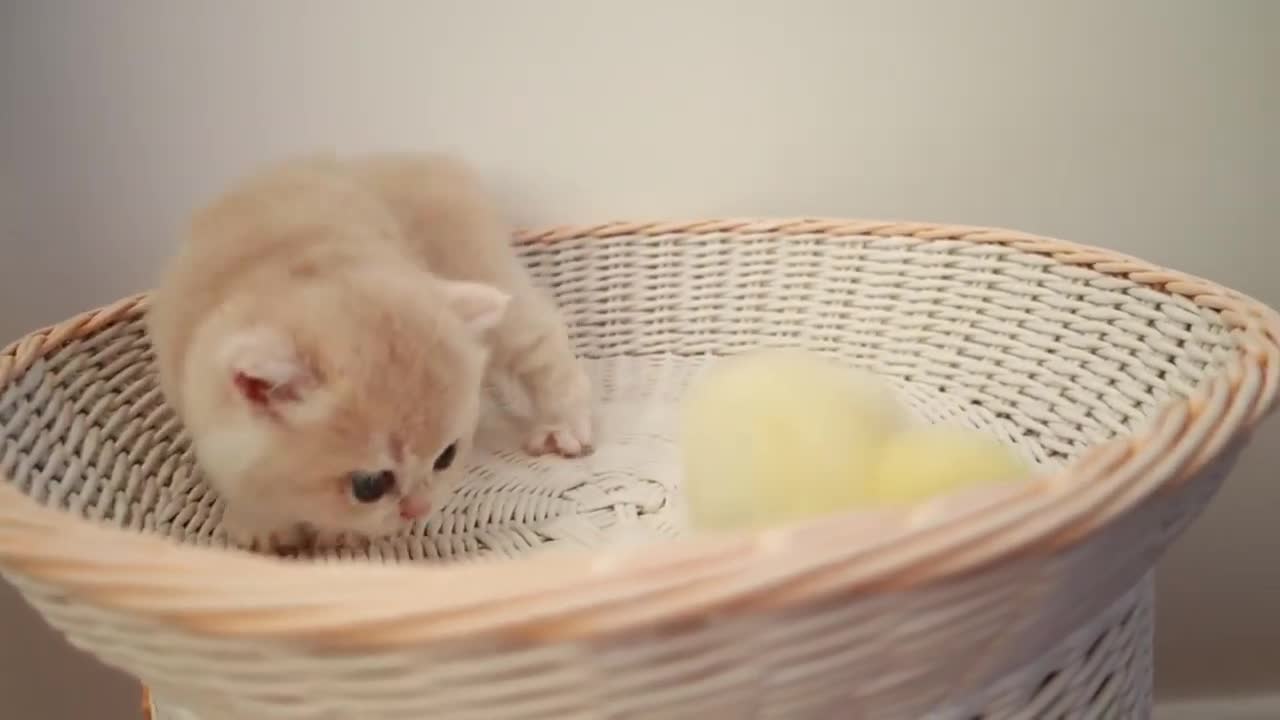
(566, 588)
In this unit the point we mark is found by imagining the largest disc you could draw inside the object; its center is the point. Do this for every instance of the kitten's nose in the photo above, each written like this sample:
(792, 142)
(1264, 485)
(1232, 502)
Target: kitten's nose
(412, 508)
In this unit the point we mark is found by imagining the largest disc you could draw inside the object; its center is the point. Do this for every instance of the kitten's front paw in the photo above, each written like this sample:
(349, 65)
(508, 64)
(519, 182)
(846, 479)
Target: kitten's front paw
(283, 541)
(567, 432)
(330, 540)
(559, 439)
(244, 538)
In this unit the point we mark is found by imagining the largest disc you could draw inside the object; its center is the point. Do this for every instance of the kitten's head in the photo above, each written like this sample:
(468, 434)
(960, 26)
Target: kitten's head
(347, 406)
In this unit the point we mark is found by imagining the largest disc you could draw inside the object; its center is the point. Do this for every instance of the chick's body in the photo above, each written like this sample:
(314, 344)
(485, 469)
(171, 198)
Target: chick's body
(920, 463)
(775, 435)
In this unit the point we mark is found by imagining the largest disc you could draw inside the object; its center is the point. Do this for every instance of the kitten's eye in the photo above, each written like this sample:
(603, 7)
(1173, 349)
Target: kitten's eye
(446, 457)
(369, 487)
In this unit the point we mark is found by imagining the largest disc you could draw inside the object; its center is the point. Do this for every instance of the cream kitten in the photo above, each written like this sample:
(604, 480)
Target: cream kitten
(325, 333)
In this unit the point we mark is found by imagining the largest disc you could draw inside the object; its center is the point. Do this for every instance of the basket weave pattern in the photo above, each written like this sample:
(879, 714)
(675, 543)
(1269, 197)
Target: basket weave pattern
(1132, 387)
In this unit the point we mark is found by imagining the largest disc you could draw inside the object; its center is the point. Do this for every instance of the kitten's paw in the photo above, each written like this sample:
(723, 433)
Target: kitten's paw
(282, 541)
(560, 440)
(568, 438)
(562, 419)
(331, 540)
(243, 538)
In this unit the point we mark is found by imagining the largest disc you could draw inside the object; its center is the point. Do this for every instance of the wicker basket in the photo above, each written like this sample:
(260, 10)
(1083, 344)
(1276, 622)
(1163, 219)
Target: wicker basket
(1131, 386)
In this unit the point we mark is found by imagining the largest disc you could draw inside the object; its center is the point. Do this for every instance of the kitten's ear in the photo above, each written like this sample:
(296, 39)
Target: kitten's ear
(266, 370)
(480, 306)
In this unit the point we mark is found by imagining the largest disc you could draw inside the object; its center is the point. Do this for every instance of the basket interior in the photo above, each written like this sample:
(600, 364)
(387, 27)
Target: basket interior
(1049, 357)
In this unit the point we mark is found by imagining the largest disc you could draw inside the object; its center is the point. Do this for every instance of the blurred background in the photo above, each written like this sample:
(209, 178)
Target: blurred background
(1147, 126)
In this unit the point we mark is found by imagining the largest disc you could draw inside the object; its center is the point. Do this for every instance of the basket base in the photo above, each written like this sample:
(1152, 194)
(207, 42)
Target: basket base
(1103, 670)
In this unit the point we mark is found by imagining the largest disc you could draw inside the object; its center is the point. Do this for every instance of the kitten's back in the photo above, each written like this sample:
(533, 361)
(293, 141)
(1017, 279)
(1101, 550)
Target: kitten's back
(445, 213)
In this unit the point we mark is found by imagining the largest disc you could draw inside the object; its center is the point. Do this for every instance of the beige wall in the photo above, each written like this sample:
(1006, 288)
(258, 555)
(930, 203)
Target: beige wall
(1144, 125)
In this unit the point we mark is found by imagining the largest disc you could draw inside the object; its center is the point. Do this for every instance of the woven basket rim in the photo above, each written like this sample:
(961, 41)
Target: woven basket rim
(567, 595)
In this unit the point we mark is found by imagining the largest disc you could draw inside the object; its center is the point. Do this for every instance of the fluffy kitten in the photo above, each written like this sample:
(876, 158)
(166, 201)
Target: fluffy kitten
(325, 333)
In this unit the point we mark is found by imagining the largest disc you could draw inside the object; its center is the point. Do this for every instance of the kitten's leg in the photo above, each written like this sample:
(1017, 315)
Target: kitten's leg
(321, 539)
(249, 532)
(532, 348)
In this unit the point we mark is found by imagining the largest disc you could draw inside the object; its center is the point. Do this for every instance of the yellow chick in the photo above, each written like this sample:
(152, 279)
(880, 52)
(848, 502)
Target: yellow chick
(775, 435)
(923, 462)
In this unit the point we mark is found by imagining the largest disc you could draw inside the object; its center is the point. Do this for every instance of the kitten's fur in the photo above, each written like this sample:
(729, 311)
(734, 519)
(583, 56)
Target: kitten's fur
(330, 315)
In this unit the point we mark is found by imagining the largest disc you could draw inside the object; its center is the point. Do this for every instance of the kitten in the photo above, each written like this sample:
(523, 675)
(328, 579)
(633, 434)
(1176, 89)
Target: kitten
(324, 335)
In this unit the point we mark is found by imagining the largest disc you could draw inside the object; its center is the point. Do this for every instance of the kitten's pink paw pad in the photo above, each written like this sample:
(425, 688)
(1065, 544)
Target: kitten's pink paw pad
(558, 440)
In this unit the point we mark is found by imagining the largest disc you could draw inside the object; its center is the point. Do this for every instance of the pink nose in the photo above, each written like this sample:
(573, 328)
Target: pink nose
(413, 508)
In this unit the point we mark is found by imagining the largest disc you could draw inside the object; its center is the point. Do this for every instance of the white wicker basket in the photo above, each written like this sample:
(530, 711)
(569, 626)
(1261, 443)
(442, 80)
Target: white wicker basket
(1133, 387)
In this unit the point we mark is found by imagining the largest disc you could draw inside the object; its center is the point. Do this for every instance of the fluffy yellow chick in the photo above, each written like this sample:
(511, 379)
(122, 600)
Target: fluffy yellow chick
(919, 463)
(774, 435)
